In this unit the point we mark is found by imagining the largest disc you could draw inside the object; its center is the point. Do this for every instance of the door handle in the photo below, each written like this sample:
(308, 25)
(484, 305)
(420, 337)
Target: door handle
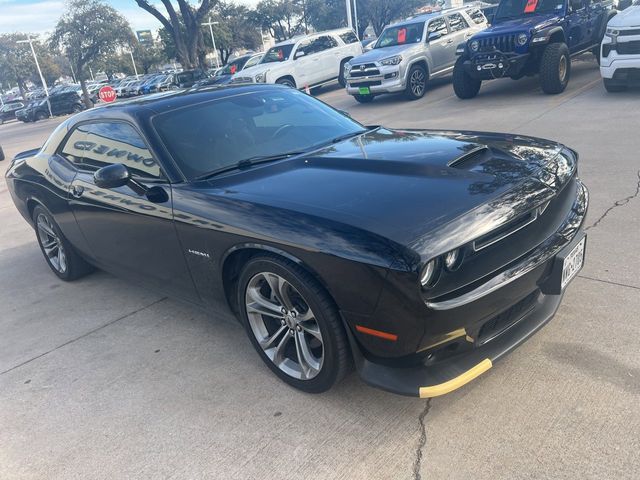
(77, 191)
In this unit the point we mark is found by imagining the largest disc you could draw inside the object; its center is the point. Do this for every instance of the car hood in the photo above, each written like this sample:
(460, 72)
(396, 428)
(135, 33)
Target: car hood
(527, 23)
(377, 54)
(407, 186)
(256, 69)
(629, 17)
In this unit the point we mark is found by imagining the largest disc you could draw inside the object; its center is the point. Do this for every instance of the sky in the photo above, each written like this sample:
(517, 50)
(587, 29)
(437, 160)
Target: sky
(40, 16)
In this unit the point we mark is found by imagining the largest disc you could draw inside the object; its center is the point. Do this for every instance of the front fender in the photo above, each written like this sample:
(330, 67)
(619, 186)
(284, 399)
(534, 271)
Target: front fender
(544, 36)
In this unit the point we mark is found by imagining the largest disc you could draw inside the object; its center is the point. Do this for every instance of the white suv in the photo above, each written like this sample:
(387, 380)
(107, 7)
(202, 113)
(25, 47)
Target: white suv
(620, 50)
(306, 61)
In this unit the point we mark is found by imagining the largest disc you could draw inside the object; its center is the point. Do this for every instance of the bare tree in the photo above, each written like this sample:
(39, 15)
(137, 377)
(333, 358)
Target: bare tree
(184, 27)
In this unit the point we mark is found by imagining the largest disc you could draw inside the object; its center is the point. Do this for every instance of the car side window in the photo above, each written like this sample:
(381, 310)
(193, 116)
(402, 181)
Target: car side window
(75, 145)
(252, 61)
(320, 44)
(457, 22)
(437, 25)
(107, 143)
(304, 46)
(476, 15)
(349, 37)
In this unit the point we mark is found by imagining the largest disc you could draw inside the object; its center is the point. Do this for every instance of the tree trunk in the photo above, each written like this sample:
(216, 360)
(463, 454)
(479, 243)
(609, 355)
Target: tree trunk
(85, 93)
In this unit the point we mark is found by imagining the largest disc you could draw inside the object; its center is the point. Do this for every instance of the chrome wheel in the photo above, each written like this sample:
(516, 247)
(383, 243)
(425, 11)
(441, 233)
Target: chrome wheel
(284, 326)
(562, 69)
(417, 82)
(51, 244)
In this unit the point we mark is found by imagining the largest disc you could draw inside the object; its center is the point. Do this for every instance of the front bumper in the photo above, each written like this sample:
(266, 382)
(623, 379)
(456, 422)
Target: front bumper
(378, 79)
(458, 357)
(496, 64)
(25, 116)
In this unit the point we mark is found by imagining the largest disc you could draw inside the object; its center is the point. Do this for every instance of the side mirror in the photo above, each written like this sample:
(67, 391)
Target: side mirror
(434, 36)
(299, 54)
(1, 154)
(112, 176)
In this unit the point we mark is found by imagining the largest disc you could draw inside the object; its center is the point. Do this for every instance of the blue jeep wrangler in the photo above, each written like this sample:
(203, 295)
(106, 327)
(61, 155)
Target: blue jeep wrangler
(529, 37)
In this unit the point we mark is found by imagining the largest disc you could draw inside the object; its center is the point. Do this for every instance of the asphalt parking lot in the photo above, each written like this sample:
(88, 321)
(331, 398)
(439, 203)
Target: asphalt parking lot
(103, 379)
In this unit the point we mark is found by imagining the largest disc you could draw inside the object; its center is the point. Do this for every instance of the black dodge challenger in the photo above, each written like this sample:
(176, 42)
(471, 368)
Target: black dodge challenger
(421, 256)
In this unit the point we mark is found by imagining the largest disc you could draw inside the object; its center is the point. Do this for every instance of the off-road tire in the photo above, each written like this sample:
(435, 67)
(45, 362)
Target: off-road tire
(551, 69)
(464, 85)
(337, 360)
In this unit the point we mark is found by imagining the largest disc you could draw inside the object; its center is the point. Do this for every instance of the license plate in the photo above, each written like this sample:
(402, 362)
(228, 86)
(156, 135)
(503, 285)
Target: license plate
(364, 91)
(572, 264)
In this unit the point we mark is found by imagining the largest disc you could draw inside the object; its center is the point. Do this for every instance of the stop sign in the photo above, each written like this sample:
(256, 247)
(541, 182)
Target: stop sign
(107, 94)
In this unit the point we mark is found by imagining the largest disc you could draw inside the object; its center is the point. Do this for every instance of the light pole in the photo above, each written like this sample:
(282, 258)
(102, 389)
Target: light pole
(213, 40)
(355, 16)
(134, 64)
(29, 40)
(349, 20)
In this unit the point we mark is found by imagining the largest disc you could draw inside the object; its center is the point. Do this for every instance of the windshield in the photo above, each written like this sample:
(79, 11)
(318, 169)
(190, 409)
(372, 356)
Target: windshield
(400, 35)
(517, 8)
(220, 133)
(279, 53)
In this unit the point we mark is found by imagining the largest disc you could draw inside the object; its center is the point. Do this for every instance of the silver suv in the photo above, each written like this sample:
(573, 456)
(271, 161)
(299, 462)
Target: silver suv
(410, 52)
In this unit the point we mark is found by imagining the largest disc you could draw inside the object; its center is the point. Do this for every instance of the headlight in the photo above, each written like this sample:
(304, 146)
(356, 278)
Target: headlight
(474, 45)
(612, 31)
(522, 39)
(391, 60)
(347, 67)
(453, 259)
(428, 275)
(261, 77)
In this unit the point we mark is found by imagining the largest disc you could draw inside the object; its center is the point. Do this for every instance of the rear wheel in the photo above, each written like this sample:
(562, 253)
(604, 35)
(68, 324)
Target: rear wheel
(464, 85)
(293, 324)
(555, 68)
(363, 98)
(613, 87)
(61, 257)
(416, 82)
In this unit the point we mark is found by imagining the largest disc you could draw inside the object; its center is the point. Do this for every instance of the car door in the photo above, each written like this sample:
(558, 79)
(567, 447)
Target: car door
(577, 24)
(439, 45)
(460, 32)
(325, 64)
(304, 63)
(129, 233)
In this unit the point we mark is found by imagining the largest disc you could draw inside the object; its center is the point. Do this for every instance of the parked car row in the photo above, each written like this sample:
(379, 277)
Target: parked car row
(521, 38)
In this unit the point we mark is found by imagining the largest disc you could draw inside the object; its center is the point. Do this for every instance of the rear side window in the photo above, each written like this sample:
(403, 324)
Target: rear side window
(349, 37)
(476, 15)
(106, 143)
(437, 25)
(321, 44)
(457, 22)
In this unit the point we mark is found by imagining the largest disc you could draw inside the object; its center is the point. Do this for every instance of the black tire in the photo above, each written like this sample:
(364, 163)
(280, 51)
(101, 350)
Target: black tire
(336, 359)
(364, 98)
(555, 68)
(341, 81)
(74, 265)
(40, 116)
(612, 87)
(464, 85)
(416, 87)
(286, 81)
(596, 53)
(77, 109)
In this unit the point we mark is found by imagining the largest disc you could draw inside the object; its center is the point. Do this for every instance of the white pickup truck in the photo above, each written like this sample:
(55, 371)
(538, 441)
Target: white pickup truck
(305, 61)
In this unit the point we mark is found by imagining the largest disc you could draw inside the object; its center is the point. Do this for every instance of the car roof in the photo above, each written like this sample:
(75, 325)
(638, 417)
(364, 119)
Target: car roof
(149, 105)
(423, 17)
(297, 38)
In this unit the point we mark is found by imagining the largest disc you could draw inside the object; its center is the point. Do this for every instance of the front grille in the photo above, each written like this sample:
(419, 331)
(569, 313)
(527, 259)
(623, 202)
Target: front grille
(502, 43)
(242, 80)
(369, 70)
(628, 48)
(624, 33)
(501, 322)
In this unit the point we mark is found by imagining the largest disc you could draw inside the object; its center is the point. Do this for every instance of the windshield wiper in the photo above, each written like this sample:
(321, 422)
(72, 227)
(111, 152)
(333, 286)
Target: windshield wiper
(247, 163)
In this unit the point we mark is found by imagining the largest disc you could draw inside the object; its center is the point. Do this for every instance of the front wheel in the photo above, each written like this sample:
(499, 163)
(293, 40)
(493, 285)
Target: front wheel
(41, 116)
(555, 68)
(293, 324)
(61, 257)
(286, 81)
(464, 85)
(416, 82)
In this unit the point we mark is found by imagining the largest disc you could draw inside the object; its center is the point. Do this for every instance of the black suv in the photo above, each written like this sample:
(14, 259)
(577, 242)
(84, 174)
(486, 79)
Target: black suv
(61, 104)
(529, 37)
(8, 111)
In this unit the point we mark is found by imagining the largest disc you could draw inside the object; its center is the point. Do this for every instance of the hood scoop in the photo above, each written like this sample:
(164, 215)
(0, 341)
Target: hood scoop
(471, 158)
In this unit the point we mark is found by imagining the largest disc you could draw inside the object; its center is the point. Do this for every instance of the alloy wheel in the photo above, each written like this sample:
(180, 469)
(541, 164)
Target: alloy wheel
(51, 244)
(417, 81)
(562, 69)
(284, 326)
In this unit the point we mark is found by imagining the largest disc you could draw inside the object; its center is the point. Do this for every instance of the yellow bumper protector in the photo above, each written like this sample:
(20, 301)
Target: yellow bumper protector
(457, 382)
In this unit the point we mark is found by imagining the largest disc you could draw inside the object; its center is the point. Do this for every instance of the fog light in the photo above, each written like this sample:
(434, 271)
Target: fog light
(452, 259)
(428, 276)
